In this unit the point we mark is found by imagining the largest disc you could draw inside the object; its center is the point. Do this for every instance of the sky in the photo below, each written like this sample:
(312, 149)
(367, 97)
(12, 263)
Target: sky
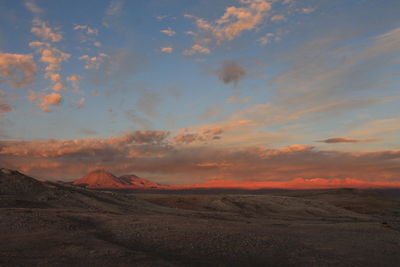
(185, 92)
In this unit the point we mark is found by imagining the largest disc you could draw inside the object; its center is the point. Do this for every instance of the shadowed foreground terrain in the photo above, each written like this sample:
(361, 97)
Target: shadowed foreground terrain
(56, 224)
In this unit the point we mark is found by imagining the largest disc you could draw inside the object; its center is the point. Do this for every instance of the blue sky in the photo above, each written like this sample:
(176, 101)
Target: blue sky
(267, 73)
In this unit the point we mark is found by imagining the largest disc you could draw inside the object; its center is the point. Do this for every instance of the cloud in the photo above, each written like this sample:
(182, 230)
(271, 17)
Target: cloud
(86, 131)
(167, 49)
(266, 39)
(87, 34)
(230, 72)
(233, 99)
(87, 29)
(94, 62)
(161, 17)
(186, 138)
(307, 10)
(53, 58)
(115, 68)
(158, 154)
(17, 70)
(232, 23)
(54, 77)
(114, 8)
(387, 127)
(44, 101)
(80, 103)
(4, 106)
(58, 86)
(196, 49)
(239, 19)
(202, 135)
(382, 44)
(276, 18)
(137, 119)
(35, 9)
(75, 79)
(168, 32)
(57, 148)
(335, 140)
(149, 102)
(41, 29)
(248, 15)
(211, 112)
(112, 12)
(333, 82)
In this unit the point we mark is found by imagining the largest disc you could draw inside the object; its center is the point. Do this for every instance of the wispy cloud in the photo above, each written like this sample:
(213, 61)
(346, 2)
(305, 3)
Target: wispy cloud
(196, 49)
(276, 18)
(31, 6)
(168, 32)
(112, 12)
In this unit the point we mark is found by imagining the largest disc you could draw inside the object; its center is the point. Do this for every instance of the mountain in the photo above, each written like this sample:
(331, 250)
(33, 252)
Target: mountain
(138, 182)
(101, 179)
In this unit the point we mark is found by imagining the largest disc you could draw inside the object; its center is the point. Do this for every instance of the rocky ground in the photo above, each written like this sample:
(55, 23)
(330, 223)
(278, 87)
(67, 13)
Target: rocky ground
(56, 224)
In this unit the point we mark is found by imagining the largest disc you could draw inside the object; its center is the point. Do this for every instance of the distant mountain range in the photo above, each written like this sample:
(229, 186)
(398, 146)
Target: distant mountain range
(102, 179)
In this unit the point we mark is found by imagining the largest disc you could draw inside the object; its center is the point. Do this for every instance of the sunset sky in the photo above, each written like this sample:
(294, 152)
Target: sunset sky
(184, 92)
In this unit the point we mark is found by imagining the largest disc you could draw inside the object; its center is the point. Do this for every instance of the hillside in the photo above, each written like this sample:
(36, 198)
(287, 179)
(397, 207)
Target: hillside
(59, 224)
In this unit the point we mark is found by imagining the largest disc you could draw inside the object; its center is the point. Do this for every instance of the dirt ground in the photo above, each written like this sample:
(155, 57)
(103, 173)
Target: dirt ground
(55, 224)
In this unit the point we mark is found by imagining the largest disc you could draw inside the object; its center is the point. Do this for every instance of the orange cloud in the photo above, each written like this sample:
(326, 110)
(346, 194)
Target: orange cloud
(239, 19)
(42, 30)
(44, 101)
(53, 58)
(17, 70)
(94, 62)
(167, 49)
(230, 25)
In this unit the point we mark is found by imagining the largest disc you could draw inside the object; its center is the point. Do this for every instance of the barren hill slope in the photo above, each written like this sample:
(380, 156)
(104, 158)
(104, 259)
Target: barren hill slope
(58, 224)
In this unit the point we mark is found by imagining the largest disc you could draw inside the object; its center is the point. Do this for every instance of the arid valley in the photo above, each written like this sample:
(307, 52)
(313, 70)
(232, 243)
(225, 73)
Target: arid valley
(59, 224)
